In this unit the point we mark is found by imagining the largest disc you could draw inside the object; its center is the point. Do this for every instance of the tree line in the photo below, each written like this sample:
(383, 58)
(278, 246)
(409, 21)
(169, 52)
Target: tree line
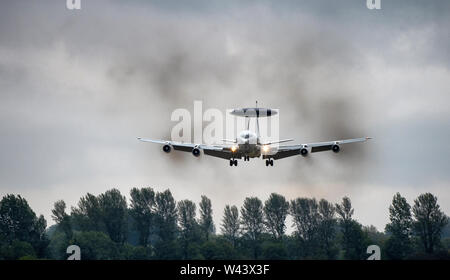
(152, 225)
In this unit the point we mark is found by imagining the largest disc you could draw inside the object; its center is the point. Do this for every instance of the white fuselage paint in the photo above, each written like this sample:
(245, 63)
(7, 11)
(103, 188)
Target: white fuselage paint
(249, 144)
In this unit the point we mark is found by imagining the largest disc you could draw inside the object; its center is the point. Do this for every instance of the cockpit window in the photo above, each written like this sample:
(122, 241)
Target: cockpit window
(246, 135)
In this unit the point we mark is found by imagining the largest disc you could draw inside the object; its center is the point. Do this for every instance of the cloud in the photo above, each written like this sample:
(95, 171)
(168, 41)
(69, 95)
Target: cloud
(77, 87)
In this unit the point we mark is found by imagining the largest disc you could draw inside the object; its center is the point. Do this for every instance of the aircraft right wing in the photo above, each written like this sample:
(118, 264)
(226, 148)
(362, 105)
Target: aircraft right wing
(288, 151)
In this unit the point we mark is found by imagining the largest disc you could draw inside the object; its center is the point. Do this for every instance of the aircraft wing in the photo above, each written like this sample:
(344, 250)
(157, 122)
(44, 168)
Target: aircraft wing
(292, 150)
(210, 150)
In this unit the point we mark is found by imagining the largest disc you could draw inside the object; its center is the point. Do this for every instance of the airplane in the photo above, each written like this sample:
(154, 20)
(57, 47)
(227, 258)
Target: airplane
(248, 144)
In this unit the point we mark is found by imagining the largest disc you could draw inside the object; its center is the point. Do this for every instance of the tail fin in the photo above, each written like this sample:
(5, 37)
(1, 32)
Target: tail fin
(257, 121)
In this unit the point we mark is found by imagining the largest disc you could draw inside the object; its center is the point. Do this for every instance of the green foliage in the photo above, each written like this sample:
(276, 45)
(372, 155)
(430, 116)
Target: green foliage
(206, 220)
(142, 210)
(253, 222)
(17, 250)
(166, 228)
(218, 249)
(327, 230)
(274, 250)
(399, 245)
(18, 223)
(88, 215)
(429, 221)
(305, 213)
(95, 246)
(129, 252)
(159, 228)
(275, 212)
(354, 239)
(114, 214)
(166, 216)
(345, 210)
(189, 228)
(252, 218)
(62, 218)
(231, 224)
(58, 245)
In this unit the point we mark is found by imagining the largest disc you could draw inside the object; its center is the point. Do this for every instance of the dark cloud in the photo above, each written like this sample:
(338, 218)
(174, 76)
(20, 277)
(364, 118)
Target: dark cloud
(77, 87)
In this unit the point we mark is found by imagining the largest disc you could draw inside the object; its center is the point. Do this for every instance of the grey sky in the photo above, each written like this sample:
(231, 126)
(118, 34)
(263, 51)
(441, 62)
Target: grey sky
(77, 87)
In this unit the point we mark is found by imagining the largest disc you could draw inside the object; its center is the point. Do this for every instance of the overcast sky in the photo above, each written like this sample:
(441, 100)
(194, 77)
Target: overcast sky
(78, 86)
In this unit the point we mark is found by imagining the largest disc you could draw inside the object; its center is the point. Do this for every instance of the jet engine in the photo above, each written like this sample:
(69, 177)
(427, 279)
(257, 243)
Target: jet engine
(335, 148)
(167, 148)
(304, 152)
(196, 152)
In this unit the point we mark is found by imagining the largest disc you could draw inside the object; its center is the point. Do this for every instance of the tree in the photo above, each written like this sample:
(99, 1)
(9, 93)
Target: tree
(206, 219)
(399, 244)
(18, 222)
(252, 222)
(88, 216)
(60, 216)
(306, 220)
(231, 224)
(39, 239)
(96, 246)
(142, 210)
(218, 249)
(327, 228)
(275, 212)
(166, 215)
(166, 225)
(188, 225)
(274, 250)
(354, 241)
(429, 221)
(113, 208)
(17, 250)
(345, 210)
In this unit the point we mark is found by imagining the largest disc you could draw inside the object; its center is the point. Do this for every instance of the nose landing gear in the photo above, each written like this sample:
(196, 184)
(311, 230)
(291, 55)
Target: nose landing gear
(269, 162)
(233, 162)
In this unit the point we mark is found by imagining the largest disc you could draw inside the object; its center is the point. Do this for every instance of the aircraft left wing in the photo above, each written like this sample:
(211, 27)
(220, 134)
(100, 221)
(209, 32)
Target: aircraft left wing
(288, 151)
(224, 152)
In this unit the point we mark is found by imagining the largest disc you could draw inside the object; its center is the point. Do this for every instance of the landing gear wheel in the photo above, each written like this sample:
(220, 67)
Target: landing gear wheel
(231, 162)
(235, 162)
(267, 162)
(271, 162)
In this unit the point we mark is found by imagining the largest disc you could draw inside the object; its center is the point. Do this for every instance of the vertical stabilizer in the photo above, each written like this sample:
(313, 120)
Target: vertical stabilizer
(257, 121)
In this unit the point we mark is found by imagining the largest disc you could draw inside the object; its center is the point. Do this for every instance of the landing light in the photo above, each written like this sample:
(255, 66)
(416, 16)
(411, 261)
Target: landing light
(265, 149)
(234, 148)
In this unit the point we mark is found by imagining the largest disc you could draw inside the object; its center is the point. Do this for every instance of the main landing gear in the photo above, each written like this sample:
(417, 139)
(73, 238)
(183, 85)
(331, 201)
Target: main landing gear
(269, 162)
(233, 162)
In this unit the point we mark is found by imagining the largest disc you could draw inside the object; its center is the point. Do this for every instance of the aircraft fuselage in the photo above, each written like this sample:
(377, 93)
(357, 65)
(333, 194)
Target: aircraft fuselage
(248, 144)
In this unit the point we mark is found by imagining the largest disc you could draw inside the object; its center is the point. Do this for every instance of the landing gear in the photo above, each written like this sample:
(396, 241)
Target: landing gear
(269, 162)
(246, 158)
(233, 162)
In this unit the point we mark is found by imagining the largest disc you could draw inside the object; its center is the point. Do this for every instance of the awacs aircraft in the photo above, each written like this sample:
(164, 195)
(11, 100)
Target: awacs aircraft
(249, 145)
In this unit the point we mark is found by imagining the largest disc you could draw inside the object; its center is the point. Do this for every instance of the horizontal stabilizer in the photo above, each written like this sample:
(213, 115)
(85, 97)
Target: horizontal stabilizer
(254, 112)
(278, 142)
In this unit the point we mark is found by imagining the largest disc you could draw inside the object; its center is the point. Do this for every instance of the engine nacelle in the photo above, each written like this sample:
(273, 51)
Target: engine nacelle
(304, 152)
(196, 152)
(167, 148)
(335, 148)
